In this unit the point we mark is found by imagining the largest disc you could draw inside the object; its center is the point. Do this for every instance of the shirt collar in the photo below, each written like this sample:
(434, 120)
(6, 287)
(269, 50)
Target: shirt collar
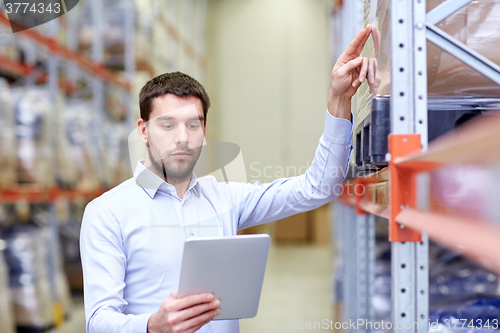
(151, 182)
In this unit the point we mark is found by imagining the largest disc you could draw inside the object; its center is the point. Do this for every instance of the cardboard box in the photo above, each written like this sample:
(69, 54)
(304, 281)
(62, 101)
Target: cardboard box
(267, 228)
(319, 225)
(293, 229)
(309, 227)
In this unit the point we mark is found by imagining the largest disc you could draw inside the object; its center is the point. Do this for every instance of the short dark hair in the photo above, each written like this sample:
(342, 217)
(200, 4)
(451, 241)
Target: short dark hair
(175, 83)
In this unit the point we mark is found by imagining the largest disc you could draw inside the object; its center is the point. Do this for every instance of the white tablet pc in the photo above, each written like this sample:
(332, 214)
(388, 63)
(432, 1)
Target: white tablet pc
(231, 267)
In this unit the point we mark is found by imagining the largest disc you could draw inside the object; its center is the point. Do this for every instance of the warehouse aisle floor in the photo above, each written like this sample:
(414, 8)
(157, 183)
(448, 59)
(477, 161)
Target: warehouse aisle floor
(297, 286)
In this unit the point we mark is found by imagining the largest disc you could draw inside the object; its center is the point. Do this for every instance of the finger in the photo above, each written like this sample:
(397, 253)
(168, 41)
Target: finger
(361, 45)
(371, 70)
(356, 83)
(363, 70)
(200, 320)
(192, 330)
(191, 300)
(376, 40)
(174, 294)
(197, 310)
(349, 66)
(354, 44)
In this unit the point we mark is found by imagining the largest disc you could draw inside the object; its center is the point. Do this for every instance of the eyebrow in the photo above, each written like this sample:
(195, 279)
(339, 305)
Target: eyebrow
(165, 117)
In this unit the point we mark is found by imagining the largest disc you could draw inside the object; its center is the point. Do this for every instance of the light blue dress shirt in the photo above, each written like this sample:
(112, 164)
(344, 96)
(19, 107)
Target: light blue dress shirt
(132, 236)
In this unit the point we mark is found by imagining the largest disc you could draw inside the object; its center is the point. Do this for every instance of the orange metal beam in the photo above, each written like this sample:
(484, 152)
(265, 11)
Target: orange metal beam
(347, 196)
(478, 142)
(21, 69)
(31, 193)
(475, 238)
(34, 193)
(402, 186)
(14, 67)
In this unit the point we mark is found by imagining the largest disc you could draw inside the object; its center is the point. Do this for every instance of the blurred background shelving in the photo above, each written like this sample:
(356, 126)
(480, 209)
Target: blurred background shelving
(68, 102)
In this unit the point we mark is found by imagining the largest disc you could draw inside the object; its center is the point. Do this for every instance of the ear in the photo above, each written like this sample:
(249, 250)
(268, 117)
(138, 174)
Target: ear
(142, 131)
(205, 129)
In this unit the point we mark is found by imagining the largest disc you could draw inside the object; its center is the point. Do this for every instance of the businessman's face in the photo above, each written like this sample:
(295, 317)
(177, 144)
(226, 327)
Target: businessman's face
(175, 133)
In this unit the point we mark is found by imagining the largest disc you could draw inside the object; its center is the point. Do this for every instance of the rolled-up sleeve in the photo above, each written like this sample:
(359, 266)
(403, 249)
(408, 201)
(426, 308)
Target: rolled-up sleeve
(321, 183)
(104, 264)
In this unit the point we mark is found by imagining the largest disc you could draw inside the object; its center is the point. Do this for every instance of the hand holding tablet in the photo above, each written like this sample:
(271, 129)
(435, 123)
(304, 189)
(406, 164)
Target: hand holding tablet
(231, 268)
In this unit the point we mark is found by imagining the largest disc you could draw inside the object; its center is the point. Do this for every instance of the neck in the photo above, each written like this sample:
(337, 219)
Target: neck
(180, 183)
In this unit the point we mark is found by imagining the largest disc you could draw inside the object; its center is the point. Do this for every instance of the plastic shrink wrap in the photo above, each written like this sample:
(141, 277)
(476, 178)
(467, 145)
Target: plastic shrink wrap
(6, 315)
(479, 315)
(7, 138)
(78, 126)
(26, 257)
(454, 282)
(33, 134)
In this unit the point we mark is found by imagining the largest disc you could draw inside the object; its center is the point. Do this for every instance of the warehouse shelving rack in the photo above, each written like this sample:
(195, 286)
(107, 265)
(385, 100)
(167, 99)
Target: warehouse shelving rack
(92, 70)
(401, 192)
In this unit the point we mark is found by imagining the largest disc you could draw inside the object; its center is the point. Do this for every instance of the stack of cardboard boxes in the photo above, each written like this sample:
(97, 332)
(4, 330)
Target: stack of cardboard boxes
(309, 227)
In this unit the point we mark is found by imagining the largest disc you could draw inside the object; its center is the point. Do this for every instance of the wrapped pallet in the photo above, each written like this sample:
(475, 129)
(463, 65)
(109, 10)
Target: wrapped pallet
(78, 125)
(65, 166)
(33, 132)
(26, 257)
(60, 297)
(42, 143)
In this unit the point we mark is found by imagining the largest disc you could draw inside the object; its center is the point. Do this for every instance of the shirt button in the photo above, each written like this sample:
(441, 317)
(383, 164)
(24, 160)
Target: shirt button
(191, 232)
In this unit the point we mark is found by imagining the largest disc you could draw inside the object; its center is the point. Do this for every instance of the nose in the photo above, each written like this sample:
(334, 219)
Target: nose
(181, 135)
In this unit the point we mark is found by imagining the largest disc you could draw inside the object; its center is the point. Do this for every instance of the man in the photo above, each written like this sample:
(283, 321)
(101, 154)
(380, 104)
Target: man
(132, 236)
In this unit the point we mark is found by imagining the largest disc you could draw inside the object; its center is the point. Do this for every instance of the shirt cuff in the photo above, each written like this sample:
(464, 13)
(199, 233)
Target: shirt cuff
(338, 130)
(140, 323)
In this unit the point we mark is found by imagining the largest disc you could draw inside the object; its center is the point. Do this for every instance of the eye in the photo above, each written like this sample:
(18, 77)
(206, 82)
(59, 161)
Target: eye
(168, 126)
(193, 126)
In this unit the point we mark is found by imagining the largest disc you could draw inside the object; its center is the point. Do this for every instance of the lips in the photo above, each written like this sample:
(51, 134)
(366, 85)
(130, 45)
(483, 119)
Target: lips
(181, 154)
